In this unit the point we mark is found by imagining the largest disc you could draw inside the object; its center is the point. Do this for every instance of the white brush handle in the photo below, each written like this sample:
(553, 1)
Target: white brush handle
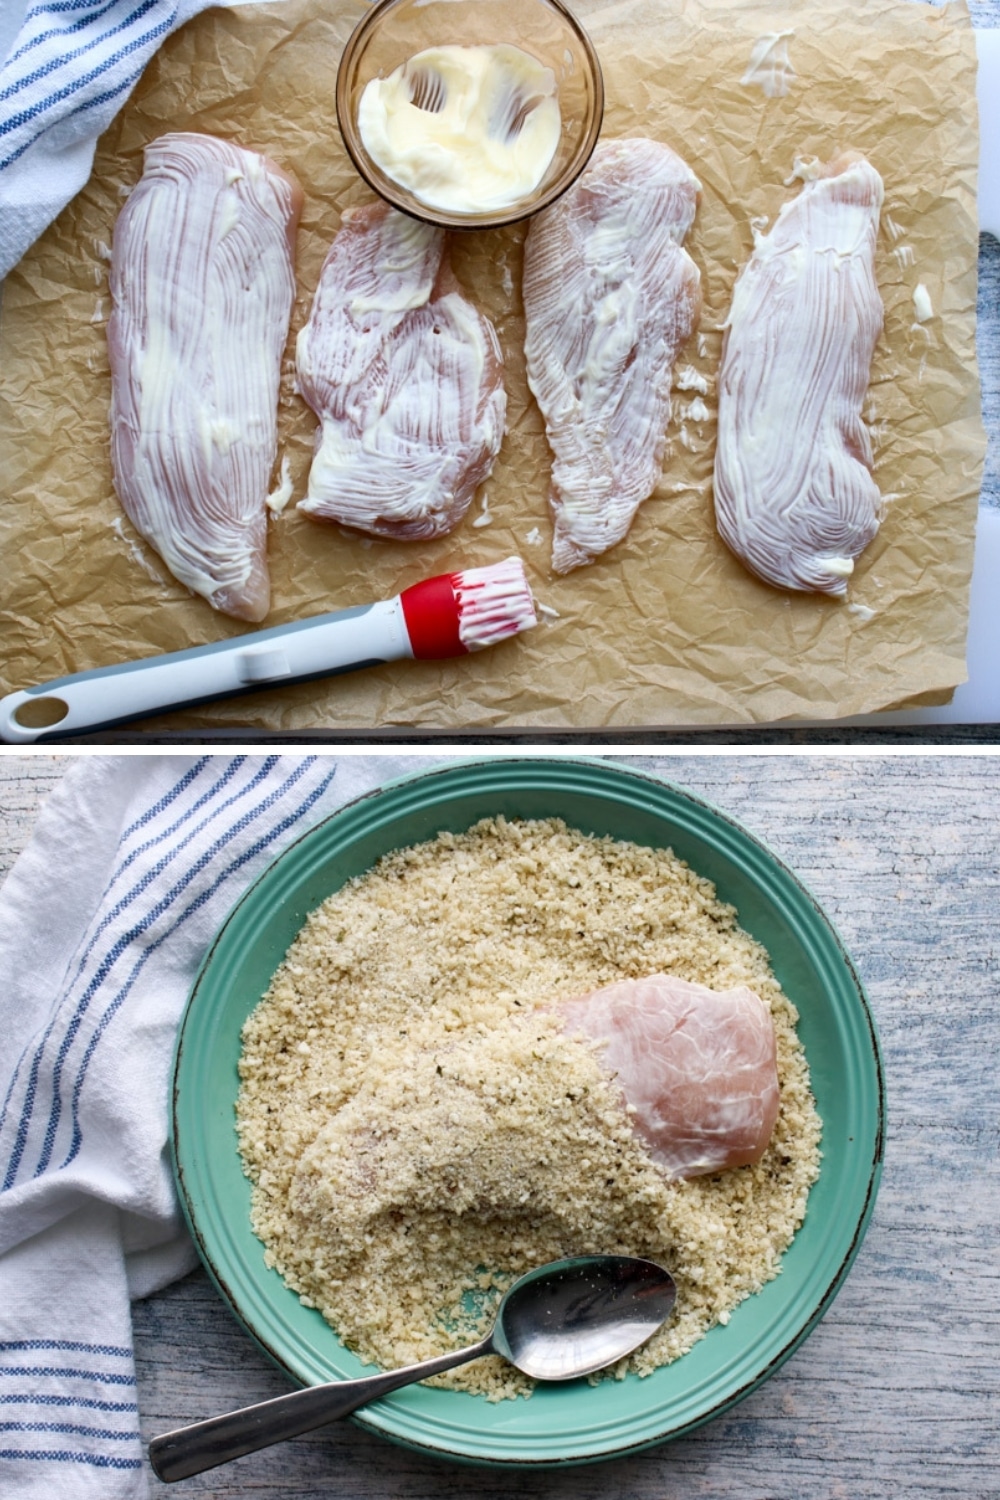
(319, 647)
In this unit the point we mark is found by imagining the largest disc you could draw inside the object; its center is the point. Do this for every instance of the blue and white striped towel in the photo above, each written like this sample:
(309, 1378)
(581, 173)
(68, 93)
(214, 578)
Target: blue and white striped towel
(103, 923)
(71, 66)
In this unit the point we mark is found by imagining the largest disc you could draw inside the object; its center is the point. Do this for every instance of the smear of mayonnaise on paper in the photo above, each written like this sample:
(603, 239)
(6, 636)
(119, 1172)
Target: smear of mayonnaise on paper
(279, 497)
(770, 66)
(923, 308)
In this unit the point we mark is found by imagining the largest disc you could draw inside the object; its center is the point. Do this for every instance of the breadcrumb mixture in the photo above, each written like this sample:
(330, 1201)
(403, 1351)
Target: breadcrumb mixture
(419, 1131)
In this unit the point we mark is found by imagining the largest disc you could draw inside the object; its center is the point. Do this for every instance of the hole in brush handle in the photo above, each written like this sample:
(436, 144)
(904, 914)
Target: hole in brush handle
(40, 713)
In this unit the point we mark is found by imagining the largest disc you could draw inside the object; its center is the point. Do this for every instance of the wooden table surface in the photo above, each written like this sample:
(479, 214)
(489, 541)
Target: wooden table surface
(895, 1393)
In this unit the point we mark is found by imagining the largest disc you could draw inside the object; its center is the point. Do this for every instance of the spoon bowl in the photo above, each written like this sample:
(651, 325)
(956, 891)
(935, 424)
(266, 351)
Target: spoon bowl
(575, 1316)
(563, 1320)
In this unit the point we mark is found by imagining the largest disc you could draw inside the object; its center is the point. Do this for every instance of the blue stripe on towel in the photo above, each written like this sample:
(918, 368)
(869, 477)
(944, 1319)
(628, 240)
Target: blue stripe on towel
(200, 901)
(64, 1456)
(166, 800)
(95, 102)
(137, 930)
(125, 942)
(31, 113)
(86, 1403)
(155, 870)
(63, 31)
(73, 1345)
(59, 7)
(103, 970)
(235, 764)
(53, 64)
(101, 1376)
(151, 874)
(160, 806)
(71, 1427)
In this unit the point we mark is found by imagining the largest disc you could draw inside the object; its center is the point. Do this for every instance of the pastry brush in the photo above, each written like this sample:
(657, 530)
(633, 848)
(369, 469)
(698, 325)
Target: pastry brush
(441, 617)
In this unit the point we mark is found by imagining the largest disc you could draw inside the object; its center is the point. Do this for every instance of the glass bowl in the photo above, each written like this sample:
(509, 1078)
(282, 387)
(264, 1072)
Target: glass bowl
(395, 30)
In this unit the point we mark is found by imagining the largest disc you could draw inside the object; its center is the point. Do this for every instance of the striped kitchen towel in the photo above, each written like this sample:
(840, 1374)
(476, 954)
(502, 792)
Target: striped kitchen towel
(71, 66)
(104, 921)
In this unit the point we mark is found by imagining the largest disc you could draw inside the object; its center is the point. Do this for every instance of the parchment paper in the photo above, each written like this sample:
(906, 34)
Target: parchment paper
(666, 629)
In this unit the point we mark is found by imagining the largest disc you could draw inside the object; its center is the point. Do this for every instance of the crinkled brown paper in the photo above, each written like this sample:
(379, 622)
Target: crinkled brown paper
(668, 628)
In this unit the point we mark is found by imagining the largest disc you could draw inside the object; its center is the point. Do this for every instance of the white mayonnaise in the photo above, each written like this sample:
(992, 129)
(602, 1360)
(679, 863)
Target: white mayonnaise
(770, 66)
(465, 129)
(923, 308)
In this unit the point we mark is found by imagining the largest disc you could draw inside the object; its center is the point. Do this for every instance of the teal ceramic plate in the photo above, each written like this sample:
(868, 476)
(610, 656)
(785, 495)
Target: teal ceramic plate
(560, 1423)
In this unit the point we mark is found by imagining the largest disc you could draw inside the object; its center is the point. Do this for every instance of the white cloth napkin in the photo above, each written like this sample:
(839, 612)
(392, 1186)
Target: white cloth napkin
(104, 920)
(72, 65)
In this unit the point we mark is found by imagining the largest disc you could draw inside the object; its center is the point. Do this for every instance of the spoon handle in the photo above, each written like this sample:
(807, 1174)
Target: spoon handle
(204, 1445)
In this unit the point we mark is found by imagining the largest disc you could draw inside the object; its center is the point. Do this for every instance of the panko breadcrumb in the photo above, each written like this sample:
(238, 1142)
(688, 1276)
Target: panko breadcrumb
(419, 1130)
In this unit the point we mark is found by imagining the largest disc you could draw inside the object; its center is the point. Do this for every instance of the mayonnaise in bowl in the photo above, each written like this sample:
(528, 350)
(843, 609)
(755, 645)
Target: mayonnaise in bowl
(465, 129)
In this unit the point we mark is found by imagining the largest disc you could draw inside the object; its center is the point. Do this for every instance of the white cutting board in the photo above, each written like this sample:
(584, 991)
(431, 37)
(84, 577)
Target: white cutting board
(978, 700)
(988, 93)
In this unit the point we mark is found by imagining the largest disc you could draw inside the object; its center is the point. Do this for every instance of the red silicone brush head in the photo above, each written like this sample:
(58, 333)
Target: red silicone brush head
(461, 612)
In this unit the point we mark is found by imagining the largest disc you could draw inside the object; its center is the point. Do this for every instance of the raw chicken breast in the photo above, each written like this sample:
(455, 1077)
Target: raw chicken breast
(794, 493)
(609, 296)
(407, 380)
(202, 284)
(696, 1066)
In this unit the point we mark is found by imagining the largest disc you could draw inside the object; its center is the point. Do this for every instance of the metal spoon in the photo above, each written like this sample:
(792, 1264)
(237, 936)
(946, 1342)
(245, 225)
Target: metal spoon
(563, 1320)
